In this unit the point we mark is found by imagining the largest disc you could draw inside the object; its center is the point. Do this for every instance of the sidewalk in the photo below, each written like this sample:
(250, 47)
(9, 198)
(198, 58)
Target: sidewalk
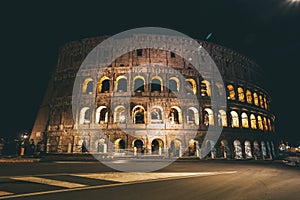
(18, 159)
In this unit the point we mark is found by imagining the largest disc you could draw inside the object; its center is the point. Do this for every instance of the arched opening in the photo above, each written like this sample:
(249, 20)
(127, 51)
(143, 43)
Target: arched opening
(192, 116)
(120, 115)
(261, 101)
(101, 146)
(85, 115)
(174, 84)
(138, 146)
(231, 92)
(121, 84)
(241, 94)
(222, 118)
(266, 104)
(225, 151)
(210, 145)
(205, 88)
(157, 146)
(139, 84)
(265, 124)
(193, 149)
(138, 115)
(255, 96)
(248, 150)
(156, 84)
(220, 89)
(119, 145)
(101, 115)
(253, 121)
(256, 150)
(175, 149)
(208, 118)
(88, 85)
(249, 96)
(175, 115)
(104, 85)
(190, 86)
(156, 115)
(260, 122)
(264, 149)
(269, 124)
(245, 122)
(234, 119)
(238, 149)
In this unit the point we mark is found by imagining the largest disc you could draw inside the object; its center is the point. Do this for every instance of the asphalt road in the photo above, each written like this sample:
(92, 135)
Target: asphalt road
(212, 179)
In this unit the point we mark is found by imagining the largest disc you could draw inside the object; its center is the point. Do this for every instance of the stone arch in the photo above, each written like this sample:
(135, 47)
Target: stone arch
(88, 85)
(192, 116)
(157, 146)
(191, 85)
(225, 150)
(101, 146)
(175, 115)
(119, 145)
(156, 84)
(231, 92)
(245, 121)
(222, 118)
(249, 96)
(175, 149)
(255, 97)
(241, 94)
(238, 150)
(120, 114)
(156, 115)
(248, 149)
(102, 114)
(193, 149)
(174, 84)
(234, 119)
(205, 88)
(139, 84)
(253, 121)
(211, 146)
(84, 115)
(104, 84)
(121, 82)
(138, 145)
(138, 114)
(260, 122)
(219, 88)
(208, 116)
(256, 150)
(263, 149)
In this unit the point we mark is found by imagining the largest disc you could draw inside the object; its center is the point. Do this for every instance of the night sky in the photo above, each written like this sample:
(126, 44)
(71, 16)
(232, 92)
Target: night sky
(267, 31)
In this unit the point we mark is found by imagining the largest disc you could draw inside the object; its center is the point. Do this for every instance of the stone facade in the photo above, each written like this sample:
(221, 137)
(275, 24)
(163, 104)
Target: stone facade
(154, 120)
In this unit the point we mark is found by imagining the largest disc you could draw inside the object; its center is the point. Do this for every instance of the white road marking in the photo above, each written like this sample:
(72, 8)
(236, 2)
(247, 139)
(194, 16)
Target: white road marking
(3, 193)
(134, 177)
(49, 182)
(170, 177)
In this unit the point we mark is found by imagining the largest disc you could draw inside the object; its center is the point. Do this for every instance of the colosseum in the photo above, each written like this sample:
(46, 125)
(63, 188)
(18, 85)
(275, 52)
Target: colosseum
(247, 121)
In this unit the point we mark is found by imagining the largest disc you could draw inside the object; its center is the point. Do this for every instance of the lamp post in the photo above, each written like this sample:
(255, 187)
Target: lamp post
(24, 138)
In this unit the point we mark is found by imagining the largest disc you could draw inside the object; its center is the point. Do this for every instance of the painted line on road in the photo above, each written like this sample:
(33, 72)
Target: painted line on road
(3, 193)
(118, 184)
(46, 181)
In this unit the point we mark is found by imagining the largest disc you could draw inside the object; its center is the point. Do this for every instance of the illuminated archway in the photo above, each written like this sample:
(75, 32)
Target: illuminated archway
(205, 88)
(102, 115)
(156, 115)
(174, 84)
(253, 121)
(138, 114)
(260, 122)
(245, 121)
(84, 115)
(121, 82)
(191, 86)
(249, 96)
(192, 116)
(156, 84)
(241, 94)
(88, 85)
(231, 92)
(255, 97)
(175, 115)
(120, 115)
(104, 84)
(208, 116)
(222, 118)
(138, 84)
(234, 119)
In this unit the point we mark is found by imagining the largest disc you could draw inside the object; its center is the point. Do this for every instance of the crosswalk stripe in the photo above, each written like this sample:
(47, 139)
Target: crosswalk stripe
(49, 182)
(3, 193)
(133, 177)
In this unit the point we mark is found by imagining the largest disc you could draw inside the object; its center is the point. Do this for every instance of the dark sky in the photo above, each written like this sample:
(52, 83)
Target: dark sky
(267, 31)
